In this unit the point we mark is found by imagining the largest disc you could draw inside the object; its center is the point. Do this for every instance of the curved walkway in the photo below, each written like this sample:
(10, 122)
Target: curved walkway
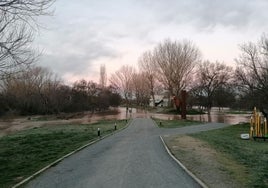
(134, 157)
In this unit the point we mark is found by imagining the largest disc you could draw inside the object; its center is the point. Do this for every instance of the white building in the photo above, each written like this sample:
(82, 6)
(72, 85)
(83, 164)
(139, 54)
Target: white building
(161, 100)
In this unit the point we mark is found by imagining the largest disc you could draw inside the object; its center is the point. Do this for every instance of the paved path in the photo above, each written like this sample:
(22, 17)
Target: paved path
(134, 157)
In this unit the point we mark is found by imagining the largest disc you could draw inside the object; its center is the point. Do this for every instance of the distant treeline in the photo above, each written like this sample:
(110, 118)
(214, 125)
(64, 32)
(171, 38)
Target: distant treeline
(38, 91)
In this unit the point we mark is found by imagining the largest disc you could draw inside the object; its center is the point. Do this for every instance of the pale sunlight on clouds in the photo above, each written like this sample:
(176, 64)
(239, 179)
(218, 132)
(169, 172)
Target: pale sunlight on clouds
(84, 34)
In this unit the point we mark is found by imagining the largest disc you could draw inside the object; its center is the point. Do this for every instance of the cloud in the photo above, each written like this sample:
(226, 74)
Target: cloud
(82, 35)
(72, 47)
(209, 13)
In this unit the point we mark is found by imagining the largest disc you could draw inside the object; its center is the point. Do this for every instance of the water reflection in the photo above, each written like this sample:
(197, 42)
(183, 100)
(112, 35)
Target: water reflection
(213, 117)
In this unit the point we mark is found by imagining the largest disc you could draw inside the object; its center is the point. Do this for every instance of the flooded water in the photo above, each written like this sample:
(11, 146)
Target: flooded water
(16, 124)
(215, 116)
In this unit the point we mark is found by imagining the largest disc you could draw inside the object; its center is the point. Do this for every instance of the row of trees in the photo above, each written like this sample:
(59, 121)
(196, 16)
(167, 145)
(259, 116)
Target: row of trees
(171, 66)
(174, 66)
(38, 91)
(168, 66)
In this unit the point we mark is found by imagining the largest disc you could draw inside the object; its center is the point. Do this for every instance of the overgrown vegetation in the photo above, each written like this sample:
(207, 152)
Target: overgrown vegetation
(25, 152)
(251, 154)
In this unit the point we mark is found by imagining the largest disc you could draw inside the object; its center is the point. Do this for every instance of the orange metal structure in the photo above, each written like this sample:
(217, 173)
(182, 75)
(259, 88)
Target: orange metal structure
(258, 126)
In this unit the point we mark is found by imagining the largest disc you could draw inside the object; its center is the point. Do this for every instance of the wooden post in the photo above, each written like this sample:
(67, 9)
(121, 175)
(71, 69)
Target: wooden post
(265, 127)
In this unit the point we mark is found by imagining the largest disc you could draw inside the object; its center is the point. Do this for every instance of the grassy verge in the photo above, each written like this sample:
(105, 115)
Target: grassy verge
(253, 155)
(25, 152)
(175, 123)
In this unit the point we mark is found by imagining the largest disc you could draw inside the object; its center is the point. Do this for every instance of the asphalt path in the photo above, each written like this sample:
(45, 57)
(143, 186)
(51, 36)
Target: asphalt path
(134, 157)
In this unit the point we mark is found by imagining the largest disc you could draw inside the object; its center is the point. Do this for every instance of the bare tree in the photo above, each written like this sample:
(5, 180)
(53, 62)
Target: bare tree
(18, 21)
(122, 79)
(175, 62)
(210, 78)
(147, 67)
(141, 89)
(103, 76)
(84, 95)
(252, 71)
(32, 91)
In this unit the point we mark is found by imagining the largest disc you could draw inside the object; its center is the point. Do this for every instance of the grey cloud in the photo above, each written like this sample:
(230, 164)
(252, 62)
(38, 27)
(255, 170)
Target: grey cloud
(71, 63)
(86, 31)
(209, 13)
(74, 52)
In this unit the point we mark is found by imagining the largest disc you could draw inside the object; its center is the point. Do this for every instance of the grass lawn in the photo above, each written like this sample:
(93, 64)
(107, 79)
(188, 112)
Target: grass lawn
(253, 155)
(175, 112)
(25, 152)
(175, 123)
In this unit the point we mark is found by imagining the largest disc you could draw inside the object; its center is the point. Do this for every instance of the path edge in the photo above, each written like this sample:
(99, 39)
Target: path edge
(200, 182)
(67, 155)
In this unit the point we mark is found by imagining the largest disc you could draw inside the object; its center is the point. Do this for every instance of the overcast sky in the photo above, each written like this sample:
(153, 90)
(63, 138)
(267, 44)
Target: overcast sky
(82, 35)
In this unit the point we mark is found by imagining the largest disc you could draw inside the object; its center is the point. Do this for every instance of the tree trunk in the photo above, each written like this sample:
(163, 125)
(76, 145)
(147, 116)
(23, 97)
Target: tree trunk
(183, 104)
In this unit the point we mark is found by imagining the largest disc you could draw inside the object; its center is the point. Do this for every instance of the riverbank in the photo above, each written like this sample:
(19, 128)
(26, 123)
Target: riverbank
(12, 124)
(9, 125)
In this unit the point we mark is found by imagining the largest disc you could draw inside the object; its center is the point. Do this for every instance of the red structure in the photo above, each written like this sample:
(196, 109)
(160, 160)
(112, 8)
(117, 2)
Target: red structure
(176, 102)
(180, 104)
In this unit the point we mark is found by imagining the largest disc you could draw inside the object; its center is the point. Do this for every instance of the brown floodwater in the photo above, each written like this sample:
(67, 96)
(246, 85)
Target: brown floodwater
(16, 124)
(216, 116)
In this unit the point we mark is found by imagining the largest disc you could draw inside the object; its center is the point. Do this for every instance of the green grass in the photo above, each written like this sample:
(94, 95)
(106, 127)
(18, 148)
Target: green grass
(175, 123)
(253, 155)
(175, 112)
(25, 152)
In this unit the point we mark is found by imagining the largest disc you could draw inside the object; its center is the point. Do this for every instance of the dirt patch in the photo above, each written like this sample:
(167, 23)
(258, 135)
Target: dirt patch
(214, 168)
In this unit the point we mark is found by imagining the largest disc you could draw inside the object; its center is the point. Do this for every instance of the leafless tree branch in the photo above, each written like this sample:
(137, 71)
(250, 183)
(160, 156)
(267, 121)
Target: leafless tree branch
(18, 21)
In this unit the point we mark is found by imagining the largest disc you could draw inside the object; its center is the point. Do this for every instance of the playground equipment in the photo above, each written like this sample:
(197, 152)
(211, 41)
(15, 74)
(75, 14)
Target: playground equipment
(258, 126)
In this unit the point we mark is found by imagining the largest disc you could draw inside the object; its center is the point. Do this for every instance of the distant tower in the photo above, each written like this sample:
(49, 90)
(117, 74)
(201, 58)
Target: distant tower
(103, 76)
